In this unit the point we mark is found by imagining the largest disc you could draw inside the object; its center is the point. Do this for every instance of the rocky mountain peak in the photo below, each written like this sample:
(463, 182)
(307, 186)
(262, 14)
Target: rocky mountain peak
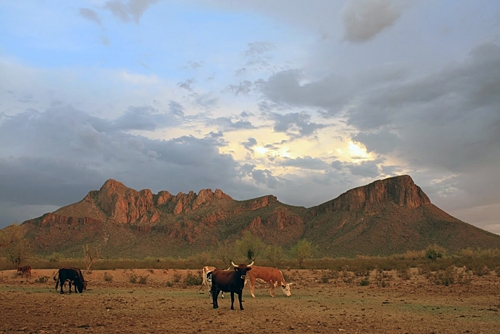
(400, 190)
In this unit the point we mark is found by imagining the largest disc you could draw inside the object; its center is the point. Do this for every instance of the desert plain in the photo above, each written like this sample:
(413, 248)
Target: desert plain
(322, 301)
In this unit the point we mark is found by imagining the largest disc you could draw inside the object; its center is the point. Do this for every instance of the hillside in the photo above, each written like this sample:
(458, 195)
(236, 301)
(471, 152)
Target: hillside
(384, 217)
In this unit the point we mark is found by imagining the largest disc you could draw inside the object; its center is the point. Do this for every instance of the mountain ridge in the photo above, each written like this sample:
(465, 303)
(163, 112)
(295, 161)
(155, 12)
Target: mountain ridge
(387, 216)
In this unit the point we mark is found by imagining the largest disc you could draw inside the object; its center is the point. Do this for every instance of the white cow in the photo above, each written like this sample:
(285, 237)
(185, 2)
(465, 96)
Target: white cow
(206, 278)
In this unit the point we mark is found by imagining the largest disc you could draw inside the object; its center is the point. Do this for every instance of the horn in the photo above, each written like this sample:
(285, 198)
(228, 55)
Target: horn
(234, 265)
(251, 264)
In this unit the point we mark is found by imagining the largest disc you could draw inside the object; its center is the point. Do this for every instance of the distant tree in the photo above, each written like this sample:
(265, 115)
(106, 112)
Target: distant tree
(224, 252)
(275, 254)
(90, 254)
(249, 246)
(302, 250)
(434, 252)
(13, 244)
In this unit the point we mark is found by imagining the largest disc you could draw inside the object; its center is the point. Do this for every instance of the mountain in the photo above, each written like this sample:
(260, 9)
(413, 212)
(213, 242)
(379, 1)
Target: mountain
(384, 217)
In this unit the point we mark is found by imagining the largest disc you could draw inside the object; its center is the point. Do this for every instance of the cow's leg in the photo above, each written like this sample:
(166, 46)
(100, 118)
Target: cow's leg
(232, 300)
(271, 289)
(215, 293)
(62, 283)
(252, 287)
(240, 299)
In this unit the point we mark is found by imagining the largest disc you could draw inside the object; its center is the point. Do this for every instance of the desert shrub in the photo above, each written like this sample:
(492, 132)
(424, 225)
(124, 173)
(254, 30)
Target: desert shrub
(451, 275)
(404, 273)
(54, 257)
(143, 279)
(382, 278)
(434, 252)
(325, 278)
(108, 277)
(42, 279)
(364, 282)
(192, 279)
(480, 269)
(497, 271)
(132, 278)
(169, 284)
(443, 277)
(177, 277)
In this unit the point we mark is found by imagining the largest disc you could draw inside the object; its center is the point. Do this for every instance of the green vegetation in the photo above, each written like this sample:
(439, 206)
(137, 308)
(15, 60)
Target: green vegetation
(435, 262)
(14, 246)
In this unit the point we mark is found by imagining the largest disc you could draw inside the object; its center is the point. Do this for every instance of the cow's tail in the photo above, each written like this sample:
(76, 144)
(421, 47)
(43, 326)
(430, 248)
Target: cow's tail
(56, 279)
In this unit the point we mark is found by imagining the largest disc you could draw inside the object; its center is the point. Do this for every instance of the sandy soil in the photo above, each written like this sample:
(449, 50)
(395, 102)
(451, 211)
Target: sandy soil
(320, 303)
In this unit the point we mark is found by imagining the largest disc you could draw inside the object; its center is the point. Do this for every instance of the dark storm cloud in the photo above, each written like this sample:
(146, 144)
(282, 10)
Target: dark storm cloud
(265, 177)
(382, 142)
(295, 122)
(55, 157)
(144, 118)
(330, 93)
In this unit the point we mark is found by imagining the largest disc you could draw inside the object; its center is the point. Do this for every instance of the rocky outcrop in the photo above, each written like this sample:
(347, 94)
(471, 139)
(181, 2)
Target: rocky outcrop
(400, 190)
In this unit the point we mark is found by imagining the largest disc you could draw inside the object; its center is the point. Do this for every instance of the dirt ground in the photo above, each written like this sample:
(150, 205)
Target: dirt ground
(159, 301)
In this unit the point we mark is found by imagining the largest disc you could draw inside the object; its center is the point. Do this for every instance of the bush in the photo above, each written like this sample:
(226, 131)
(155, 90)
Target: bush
(192, 279)
(132, 278)
(42, 279)
(108, 277)
(364, 282)
(143, 279)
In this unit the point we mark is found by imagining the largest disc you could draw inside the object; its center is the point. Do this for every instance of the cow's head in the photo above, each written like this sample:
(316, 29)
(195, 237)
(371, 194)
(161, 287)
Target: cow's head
(242, 269)
(286, 289)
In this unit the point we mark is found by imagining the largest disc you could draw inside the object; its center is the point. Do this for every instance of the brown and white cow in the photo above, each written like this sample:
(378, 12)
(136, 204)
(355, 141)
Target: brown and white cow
(204, 272)
(269, 275)
(25, 271)
(232, 281)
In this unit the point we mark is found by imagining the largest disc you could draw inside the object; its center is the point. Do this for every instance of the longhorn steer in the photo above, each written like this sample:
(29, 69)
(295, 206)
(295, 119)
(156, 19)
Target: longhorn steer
(229, 281)
(272, 276)
(206, 276)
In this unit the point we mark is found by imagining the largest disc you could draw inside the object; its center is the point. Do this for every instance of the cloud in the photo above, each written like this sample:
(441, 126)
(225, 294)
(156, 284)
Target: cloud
(131, 10)
(228, 124)
(90, 15)
(244, 88)
(330, 93)
(145, 118)
(305, 163)
(295, 124)
(251, 142)
(364, 19)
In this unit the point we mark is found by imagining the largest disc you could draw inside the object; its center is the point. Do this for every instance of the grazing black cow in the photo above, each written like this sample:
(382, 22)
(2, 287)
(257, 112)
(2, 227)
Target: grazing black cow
(229, 281)
(72, 275)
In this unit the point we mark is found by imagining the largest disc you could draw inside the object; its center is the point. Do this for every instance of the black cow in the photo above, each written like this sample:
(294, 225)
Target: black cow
(229, 281)
(73, 275)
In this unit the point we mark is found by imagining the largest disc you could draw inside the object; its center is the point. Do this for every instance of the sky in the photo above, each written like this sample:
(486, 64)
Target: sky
(300, 99)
